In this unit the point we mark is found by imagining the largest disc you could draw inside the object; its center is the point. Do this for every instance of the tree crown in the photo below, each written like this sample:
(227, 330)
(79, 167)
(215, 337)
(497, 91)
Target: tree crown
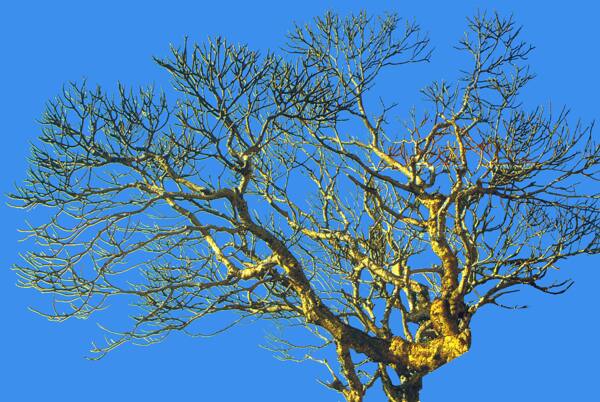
(275, 187)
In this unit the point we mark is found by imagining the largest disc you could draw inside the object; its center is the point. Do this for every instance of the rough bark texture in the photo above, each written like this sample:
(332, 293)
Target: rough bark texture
(411, 395)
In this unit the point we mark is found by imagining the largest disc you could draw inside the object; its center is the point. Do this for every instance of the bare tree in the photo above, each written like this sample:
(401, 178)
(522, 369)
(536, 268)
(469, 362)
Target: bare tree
(276, 187)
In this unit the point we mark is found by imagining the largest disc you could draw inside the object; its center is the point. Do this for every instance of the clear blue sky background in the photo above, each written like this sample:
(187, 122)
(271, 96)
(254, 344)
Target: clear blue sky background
(547, 353)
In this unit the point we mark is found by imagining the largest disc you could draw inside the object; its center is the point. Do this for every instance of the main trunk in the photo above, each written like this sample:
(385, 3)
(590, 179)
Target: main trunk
(411, 395)
(407, 392)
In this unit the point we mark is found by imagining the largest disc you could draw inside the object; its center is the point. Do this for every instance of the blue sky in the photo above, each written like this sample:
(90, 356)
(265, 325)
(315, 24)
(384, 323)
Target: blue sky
(547, 352)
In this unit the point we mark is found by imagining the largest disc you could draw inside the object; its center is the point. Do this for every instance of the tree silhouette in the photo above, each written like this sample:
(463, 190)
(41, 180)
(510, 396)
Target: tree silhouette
(276, 187)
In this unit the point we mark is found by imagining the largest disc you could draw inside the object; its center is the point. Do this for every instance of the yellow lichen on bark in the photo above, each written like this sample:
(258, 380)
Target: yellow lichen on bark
(449, 263)
(441, 317)
(352, 396)
(428, 356)
(436, 227)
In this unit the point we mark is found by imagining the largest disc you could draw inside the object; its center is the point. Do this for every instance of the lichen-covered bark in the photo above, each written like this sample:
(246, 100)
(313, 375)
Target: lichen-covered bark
(428, 356)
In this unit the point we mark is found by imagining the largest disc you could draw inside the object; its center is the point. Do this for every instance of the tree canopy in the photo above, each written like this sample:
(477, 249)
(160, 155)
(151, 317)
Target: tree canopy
(277, 186)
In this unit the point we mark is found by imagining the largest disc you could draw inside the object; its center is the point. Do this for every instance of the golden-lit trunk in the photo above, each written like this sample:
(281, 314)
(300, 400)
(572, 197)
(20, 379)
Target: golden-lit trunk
(352, 396)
